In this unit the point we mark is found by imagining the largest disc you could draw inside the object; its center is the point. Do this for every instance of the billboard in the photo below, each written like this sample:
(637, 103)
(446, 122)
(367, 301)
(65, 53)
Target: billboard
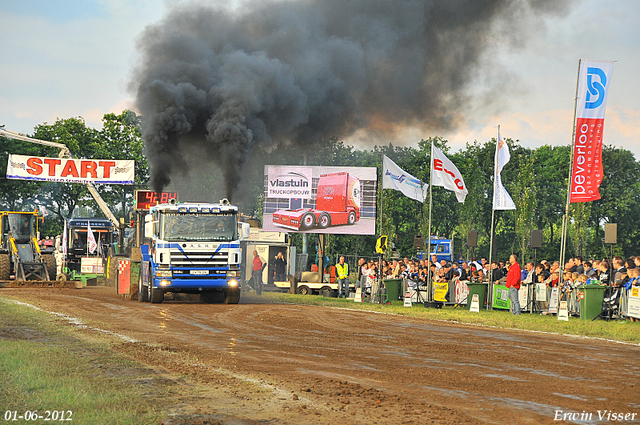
(67, 170)
(335, 200)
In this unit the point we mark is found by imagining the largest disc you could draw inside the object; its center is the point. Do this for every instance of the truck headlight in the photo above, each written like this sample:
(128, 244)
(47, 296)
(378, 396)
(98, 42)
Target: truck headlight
(164, 273)
(232, 273)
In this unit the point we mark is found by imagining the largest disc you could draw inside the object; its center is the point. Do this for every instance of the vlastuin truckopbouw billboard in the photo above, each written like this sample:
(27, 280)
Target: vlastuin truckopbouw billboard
(336, 200)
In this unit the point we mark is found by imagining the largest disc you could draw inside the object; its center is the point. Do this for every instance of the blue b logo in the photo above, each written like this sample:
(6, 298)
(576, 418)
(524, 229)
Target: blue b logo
(595, 88)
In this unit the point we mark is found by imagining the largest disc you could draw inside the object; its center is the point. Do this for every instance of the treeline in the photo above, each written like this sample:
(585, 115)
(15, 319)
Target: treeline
(535, 178)
(119, 138)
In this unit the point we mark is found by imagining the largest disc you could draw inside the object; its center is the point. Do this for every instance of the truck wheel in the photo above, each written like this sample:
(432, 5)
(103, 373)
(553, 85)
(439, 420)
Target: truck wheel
(142, 291)
(324, 221)
(5, 267)
(156, 295)
(304, 290)
(232, 296)
(352, 217)
(307, 221)
(212, 297)
(52, 267)
(62, 277)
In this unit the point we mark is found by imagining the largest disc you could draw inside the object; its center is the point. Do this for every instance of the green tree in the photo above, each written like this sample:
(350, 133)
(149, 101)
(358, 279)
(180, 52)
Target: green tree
(120, 139)
(16, 195)
(83, 142)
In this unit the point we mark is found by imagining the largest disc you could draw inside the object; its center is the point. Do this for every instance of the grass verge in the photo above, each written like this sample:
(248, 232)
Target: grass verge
(45, 367)
(623, 331)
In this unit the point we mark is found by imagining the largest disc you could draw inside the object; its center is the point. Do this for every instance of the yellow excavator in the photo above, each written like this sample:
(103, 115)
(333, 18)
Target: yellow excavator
(20, 254)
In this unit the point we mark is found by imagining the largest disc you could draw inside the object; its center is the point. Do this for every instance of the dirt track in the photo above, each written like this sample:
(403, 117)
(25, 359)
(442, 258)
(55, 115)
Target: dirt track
(267, 363)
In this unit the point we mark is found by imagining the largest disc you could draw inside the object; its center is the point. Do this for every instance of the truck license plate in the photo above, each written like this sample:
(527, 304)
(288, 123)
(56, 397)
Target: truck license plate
(199, 272)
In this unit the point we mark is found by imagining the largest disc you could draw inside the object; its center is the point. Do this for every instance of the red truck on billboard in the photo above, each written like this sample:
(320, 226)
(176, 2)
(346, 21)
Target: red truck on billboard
(337, 202)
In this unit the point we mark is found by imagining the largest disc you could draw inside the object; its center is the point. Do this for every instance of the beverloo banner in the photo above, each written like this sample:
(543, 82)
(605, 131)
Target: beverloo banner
(593, 86)
(67, 170)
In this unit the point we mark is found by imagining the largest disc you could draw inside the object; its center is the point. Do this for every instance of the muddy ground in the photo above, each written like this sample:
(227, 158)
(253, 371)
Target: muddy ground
(269, 363)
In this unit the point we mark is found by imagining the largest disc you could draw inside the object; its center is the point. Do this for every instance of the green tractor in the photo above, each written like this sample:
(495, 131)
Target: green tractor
(20, 254)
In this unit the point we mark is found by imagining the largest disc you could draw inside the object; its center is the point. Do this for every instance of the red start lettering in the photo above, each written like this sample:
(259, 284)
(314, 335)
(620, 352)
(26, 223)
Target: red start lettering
(35, 166)
(88, 168)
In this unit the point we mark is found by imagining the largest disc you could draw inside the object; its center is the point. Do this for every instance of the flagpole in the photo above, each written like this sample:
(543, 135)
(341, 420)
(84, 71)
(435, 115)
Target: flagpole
(493, 214)
(429, 279)
(565, 218)
(381, 197)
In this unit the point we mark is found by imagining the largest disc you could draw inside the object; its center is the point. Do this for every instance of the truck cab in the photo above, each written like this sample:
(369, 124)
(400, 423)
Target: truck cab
(193, 248)
(441, 247)
(80, 264)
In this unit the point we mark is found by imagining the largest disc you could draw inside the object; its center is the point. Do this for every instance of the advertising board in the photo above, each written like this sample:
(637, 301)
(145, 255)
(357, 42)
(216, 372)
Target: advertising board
(67, 170)
(333, 200)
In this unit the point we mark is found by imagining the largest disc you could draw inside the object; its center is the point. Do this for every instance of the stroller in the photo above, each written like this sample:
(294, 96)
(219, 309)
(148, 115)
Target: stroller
(611, 304)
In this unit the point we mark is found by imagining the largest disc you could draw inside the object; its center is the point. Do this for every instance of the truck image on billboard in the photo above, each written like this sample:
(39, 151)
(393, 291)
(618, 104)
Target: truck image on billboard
(338, 200)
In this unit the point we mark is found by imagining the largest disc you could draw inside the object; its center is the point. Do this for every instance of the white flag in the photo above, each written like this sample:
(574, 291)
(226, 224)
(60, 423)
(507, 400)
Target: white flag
(445, 174)
(393, 177)
(91, 240)
(501, 198)
(43, 211)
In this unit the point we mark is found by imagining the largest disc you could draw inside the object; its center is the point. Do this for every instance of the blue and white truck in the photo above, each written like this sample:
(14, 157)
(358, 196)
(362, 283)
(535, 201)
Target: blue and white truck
(441, 247)
(192, 248)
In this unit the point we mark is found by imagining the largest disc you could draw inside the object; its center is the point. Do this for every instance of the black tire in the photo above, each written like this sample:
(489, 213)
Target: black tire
(212, 297)
(352, 217)
(142, 290)
(62, 277)
(307, 221)
(324, 220)
(52, 267)
(304, 290)
(5, 267)
(232, 296)
(157, 296)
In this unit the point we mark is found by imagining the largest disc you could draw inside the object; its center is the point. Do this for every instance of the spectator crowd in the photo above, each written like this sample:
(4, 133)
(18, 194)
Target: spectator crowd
(619, 273)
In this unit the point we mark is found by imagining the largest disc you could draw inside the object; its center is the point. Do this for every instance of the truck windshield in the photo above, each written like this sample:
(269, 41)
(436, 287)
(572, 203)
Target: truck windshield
(199, 227)
(20, 226)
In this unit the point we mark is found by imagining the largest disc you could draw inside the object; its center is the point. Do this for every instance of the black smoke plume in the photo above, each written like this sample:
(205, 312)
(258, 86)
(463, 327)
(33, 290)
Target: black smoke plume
(213, 83)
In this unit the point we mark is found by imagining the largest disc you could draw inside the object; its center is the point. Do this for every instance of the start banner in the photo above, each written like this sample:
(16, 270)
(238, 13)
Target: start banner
(593, 86)
(67, 170)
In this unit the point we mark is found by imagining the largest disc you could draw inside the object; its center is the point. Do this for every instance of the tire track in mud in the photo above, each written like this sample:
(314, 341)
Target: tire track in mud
(360, 366)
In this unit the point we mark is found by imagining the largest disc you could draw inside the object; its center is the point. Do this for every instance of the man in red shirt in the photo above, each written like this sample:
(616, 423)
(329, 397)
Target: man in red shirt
(513, 283)
(256, 272)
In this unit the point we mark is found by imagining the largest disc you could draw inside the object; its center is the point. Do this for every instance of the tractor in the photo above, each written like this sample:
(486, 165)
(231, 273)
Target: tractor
(20, 254)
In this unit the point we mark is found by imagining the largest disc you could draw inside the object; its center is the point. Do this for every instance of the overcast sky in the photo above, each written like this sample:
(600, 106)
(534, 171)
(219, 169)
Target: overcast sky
(74, 58)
